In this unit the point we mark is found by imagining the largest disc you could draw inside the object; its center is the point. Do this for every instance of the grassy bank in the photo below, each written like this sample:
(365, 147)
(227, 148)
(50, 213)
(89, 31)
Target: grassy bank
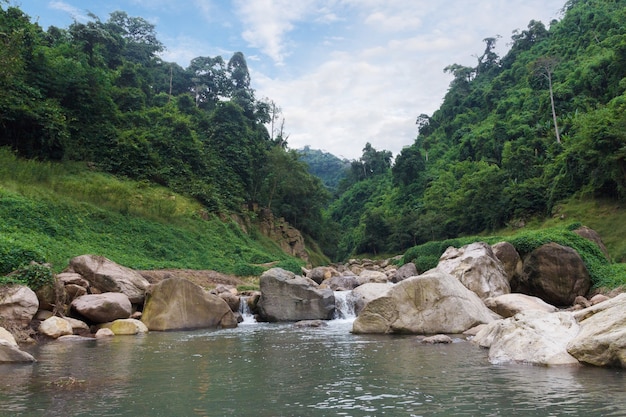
(54, 211)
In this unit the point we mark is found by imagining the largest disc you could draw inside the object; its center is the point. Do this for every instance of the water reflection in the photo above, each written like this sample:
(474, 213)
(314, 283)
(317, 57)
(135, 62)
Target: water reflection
(280, 370)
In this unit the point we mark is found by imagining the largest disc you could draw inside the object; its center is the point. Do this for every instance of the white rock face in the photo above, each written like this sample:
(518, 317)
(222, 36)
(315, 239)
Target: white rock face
(18, 304)
(508, 305)
(602, 338)
(55, 327)
(478, 268)
(434, 302)
(533, 337)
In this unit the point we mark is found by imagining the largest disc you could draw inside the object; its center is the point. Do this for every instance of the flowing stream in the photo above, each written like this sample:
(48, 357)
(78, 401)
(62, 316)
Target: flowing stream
(261, 369)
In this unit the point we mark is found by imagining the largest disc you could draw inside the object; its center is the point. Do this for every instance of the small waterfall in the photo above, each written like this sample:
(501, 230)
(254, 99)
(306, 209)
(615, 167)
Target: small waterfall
(344, 305)
(244, 310)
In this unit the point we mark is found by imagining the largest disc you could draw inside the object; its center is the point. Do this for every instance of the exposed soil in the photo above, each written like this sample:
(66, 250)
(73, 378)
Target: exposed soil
(204, 278)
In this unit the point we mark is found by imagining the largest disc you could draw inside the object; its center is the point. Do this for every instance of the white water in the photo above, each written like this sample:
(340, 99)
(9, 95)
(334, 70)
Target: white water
(244, 310)
(344, 305)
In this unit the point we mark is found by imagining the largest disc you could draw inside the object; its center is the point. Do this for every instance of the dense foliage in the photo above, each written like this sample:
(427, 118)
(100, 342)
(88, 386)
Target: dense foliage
(513, 136)
(97, 92)
(326, 166)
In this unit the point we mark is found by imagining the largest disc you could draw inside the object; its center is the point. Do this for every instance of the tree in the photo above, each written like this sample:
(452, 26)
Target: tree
(544, 67)
(209, 80)
(140, 35)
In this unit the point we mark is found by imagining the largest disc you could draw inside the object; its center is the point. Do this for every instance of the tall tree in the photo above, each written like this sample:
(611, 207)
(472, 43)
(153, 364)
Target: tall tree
(544, 67)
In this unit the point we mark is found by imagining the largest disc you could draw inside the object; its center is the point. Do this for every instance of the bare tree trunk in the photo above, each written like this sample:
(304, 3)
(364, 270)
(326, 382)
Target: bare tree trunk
(556, 126)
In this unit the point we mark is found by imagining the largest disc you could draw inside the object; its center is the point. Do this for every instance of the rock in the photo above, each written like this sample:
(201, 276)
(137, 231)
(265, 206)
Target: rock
(177, 304)
(368, 277)
(77, 325)
(477, 268)
(47, 296)
(511, 261)
(10, 351)
(341, 283)
(437, 339)
(474, 330)
(104, 333)
(593, 236)
(18, 304)
(405, 271)
(311, 323)
(554, 273)
(602, 337)
(126, 327)
(287, 297)
(55, 327)
(365, 293)
(532, 337)
(581, 302)
(434, 302)
(42, 315)
(74, 291)
(72, 278)
(232, 300)
(508, 305)
(322, 273)
(598, 298)
(107, 276)
(103, 308)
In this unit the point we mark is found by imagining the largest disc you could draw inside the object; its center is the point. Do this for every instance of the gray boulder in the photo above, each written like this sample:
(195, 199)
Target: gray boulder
(102, 308)
(510, 259)
(434, 302)
(365, 293)
(9, 349)
(602, 337)
(341, 283)
(554, 273)
(177, 304)
(532, 337)
(106, 276)
(477, 268)
(407, 270)
(18, 304)
(508, 305)
(288, 297)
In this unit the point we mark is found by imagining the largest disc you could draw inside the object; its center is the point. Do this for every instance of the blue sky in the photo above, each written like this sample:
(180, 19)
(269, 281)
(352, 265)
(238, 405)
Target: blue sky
(344, 72)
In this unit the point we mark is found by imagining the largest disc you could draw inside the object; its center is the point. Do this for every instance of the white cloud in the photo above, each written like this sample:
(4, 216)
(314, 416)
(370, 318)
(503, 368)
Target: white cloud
(76, 13)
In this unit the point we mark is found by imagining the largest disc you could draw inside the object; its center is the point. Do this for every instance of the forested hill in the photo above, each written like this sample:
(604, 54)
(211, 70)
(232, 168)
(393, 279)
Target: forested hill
(514, 135)
(326, 166)
(98, 93)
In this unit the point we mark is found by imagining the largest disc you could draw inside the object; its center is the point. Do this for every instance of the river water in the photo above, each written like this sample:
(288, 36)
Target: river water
(282, 370)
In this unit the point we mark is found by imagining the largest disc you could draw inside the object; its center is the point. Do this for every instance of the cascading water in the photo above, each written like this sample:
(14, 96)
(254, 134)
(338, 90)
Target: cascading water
(344, 305)
(244, 310)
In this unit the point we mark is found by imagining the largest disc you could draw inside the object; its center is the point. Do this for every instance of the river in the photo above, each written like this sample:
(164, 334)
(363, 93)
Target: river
(281, 370)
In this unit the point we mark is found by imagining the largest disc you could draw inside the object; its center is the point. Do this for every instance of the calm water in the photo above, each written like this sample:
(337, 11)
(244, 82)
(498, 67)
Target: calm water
(280, 370)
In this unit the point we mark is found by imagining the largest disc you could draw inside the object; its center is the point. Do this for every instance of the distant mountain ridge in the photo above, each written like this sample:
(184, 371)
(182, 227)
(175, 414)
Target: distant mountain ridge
(326, 166)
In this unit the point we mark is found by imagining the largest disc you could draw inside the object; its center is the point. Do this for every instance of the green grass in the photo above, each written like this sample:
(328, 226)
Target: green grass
(53, 212)
(603, 273)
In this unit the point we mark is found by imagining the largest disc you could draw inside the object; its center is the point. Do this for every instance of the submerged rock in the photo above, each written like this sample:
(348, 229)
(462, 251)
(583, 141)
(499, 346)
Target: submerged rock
(434, 302)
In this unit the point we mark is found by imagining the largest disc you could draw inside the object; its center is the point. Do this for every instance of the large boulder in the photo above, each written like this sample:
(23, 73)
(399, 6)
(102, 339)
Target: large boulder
(554, 273)
(55, 327)
(18, 304)
(107, 276)
(322, 273)
(288, 297)
(434, 302)
(593, 236)
(365, 293)
(177, 304)
(602, 337)
(102, 308)
(508, 305)
(532, 337)
(9, 349)
(476, 266)
(510, 259)
(340, 283)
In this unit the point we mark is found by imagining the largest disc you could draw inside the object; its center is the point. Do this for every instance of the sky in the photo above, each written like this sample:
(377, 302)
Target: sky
(343, 72)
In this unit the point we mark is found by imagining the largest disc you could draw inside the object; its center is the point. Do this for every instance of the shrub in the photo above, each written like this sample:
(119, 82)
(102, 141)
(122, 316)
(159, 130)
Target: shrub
(34, 276)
